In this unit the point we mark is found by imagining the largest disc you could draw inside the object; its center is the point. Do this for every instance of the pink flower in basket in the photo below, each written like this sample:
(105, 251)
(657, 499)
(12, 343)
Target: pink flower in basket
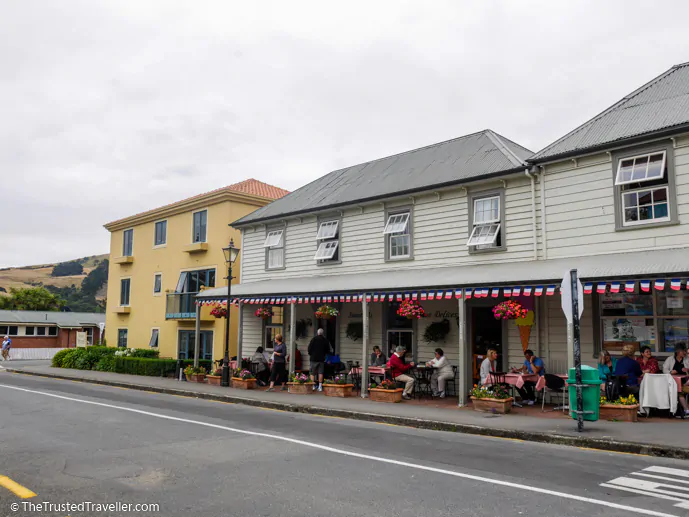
(411, 310)
(509, 310)
(264, 313)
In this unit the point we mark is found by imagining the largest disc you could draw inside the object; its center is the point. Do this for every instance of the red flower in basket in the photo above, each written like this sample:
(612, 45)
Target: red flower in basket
(264, 313)
(219, 311)
(411, 310)
(325, 312)
(509, 310)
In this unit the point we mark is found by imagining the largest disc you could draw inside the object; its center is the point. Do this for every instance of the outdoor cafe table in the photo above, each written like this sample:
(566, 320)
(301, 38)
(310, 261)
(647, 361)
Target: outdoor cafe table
(678, 380)
(518, 379)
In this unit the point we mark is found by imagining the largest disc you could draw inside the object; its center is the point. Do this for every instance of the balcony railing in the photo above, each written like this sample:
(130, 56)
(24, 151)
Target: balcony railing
(180, 306)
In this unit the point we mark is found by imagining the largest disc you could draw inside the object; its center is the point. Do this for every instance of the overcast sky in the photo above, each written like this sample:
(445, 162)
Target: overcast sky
(109, 108)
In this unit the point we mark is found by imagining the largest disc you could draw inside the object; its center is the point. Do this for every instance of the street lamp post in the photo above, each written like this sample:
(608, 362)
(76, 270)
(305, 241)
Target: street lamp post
(231, 253)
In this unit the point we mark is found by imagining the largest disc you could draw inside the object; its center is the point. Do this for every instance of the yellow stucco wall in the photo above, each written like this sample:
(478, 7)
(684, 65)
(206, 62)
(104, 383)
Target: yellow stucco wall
(147, 310)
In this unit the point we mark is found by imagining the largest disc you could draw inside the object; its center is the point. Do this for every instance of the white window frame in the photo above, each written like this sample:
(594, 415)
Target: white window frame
(327, 230)
(274, 245)
(623, 194)
(398, 223)
(326, 250)
(157, 293)
(273, 239)
(478, 239)
(155, 225)
(619, 181)
(486, 221)
(154, 330)
(484, 232)
(193, 227)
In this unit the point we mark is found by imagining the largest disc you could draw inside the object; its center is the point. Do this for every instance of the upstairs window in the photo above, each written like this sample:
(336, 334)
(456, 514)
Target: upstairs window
(486, 222)
(127, 243)
(160, 238)
(200, 222)
(644, 188)
(153, 343)
(275, 249)
(157, 283)
(125, 286)
(398, 244)
(122, 335)
(328, 240)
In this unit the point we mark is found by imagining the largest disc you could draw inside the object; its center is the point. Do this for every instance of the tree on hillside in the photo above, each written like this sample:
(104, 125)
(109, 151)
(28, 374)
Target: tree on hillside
(95, 279)
(68, 268)
(31, 299)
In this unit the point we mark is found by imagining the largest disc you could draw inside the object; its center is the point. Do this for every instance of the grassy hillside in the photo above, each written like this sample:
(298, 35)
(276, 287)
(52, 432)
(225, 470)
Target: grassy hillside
(29, 276)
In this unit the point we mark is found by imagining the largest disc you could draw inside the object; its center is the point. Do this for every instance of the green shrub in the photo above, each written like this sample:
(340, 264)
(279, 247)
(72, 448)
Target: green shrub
(148, 353)
(60, 357)
(82, 358)
(152, 367)
(106, 364)
(70, 360)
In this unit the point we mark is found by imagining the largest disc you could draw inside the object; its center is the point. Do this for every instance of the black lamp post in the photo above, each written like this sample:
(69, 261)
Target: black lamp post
(231, 253)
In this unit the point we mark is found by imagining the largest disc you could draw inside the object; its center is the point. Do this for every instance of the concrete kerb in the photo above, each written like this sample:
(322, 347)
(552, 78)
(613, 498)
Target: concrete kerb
(532, 436)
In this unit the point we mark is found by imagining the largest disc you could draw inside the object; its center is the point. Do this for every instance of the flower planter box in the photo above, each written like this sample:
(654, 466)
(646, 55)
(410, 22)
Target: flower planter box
(214, 379)
(243, 384)
(338, 390)
(300, 389)
(501, 406)
(200, 377)
(378, 395)
(619, 412)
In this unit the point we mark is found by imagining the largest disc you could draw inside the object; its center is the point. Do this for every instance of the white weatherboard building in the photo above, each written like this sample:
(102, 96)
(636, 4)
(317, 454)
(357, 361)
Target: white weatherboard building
(461, 225)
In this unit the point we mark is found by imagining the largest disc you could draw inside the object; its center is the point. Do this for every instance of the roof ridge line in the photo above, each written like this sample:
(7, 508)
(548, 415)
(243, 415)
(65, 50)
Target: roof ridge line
(503, 148)
(626, 98)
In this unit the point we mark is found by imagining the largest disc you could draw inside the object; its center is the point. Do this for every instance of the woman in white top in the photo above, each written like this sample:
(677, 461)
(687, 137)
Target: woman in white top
(488, 365)
(443, 372)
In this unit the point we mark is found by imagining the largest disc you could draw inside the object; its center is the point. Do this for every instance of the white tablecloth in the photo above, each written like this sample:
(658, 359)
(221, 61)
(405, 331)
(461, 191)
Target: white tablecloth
(658, 390)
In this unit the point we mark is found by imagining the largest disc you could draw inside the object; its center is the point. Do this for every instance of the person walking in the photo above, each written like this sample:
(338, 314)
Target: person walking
(319, 348)
(443, 372)
(6, 346)
(279, 362)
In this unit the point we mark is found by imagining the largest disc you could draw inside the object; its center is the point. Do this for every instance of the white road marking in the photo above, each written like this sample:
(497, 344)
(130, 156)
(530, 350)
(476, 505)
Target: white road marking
(661, 477)
(667, 470)
(667, 487)
(472, 477)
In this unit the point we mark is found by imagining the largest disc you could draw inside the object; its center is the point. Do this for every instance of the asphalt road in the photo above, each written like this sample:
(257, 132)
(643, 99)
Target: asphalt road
(72, 442)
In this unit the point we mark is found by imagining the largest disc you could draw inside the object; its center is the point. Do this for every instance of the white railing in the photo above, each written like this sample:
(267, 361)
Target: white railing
(27, 354)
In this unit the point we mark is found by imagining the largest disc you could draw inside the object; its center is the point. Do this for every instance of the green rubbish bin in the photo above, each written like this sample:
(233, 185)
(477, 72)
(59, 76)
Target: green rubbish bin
(590, 392)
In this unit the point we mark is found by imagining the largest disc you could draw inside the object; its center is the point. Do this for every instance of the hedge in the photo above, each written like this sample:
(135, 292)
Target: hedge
(153, 367)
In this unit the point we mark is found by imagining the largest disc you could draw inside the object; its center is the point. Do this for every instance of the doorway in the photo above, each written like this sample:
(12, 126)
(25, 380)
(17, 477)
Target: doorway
(330, 332)
(486, 332)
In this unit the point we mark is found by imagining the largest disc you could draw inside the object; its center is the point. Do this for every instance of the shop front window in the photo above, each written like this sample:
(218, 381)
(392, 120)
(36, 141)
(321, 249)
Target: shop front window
(400, 331)
(272, 327)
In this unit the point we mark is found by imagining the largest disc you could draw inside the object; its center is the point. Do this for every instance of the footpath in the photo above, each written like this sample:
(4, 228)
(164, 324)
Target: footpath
(655, 436)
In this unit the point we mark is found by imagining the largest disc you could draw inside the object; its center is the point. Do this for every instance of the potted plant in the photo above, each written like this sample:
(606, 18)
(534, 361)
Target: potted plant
(624, 409)
(215, 377)
(436, 331)
(299, 384)
(326, 312)
(243, 379)
(386, 391)
(411, 310)
(219, 311)
(264, 313)
(195, 373)
(355, 330)
(509, 310)
(491, 399)
(338, 386)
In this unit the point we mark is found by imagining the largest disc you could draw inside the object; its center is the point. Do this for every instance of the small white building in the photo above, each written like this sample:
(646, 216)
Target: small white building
(461, 225)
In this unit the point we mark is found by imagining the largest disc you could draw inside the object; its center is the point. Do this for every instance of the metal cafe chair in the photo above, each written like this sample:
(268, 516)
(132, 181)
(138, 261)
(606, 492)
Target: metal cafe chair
(452, 383)
(554, 383)
(500, 379)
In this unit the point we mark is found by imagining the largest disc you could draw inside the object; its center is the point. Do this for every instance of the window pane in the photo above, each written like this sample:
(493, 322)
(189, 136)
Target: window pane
(630, 215)
(122, 338)
(660, 195)
(124, 291)
(397, 223)
(52, 331)
(625, 173)
(326, 250)
(640, 166)
(327, 230)
(160, 233)
(629, 330)
(200, 226)
(660, 211)
(626, 304)
(40, 331)
(127, 243)
(673, 303)
(399, 246)
(655, 166)
(157, 284)
(275, 256)
(675, 333)
(630, 199)
(645, 213)
(487, 210)
(273, 239)
(3, 330)
(645, 197)
(154, 339)
(30, 331)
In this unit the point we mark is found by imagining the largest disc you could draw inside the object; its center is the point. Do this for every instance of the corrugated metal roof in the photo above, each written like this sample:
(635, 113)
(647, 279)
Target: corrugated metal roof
(61, 319)
(464, 158)
(620, 265)
(662, 103)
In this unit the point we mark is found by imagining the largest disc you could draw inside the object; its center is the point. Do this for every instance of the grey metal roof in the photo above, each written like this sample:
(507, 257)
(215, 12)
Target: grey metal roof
(468, 157)
(661, 104)
(603, 267)
(61, 319)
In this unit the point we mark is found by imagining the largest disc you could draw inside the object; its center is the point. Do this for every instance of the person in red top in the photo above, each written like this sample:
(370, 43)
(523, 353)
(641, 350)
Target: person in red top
(648, 363)
(398, 370)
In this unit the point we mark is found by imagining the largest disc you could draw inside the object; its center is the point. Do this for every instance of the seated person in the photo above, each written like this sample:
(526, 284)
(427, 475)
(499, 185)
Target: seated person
(262, 370)
(442, 372)
(532, 365)
(398, 370)
(627, 365)
(489, 364)
(606, 365)
(378, 357)
(678, 363)
(648, 363)
(297, 359)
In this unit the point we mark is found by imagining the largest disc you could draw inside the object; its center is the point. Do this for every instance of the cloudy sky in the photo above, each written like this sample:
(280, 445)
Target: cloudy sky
(113, 107)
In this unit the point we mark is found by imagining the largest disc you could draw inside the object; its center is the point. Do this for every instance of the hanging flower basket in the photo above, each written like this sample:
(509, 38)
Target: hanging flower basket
(326, 312)
(219, 311)
(263, 313)
(411, 310)
(509, 310)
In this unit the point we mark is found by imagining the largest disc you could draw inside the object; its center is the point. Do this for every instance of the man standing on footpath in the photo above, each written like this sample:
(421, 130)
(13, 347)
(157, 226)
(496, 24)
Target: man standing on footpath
(319, 348)
(6, 346)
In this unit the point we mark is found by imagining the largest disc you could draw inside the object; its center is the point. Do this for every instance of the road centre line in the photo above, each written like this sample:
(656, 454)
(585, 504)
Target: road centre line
(472, 477)
(16, 488)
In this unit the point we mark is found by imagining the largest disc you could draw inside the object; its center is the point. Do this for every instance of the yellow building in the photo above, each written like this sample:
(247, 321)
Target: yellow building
(161, 258)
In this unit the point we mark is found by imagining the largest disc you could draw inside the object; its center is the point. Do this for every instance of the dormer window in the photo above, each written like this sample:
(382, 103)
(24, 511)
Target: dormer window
(328, 241)
(275, 249)
(398, 241)
(486, 222)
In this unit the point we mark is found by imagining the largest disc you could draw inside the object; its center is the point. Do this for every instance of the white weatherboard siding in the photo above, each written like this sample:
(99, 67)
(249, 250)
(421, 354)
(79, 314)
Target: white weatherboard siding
(440, 233)
(252, 331)
(439, 310)
(580, 211)
(351, 350)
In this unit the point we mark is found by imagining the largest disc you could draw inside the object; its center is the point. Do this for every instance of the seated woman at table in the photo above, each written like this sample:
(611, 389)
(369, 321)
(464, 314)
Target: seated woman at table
(606, 365)
(627, 365)
(442, 372)
(678, 363)
(648, 363)
(532, 365)
(378, 357)
(489, 364)
(262, 371)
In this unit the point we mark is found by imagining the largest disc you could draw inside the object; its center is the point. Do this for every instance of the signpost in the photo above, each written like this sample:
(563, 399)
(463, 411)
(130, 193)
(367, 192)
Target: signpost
(101, 326)
(573, 307)
(81, 339)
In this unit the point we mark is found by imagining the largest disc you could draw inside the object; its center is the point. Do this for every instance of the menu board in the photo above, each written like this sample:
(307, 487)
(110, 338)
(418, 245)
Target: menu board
(625, 304)
(629, 329)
